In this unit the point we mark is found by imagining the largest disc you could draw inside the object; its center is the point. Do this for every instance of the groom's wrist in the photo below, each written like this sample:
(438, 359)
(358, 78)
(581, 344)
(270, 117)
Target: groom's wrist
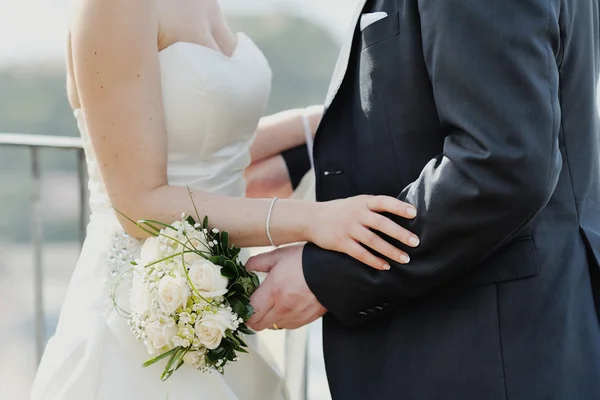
(297, 162)
(318, 283)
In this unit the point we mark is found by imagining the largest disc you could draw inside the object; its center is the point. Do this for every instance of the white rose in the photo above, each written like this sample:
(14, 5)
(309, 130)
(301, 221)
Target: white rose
(211, 328)
(194, 358)
(150, 251)
(159, 336)
(140, 298)
(172, 294)
(194, 241)
(207, 279)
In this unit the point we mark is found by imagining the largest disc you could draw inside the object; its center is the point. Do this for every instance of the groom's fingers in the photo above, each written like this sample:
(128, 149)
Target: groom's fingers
(268, 320)
(263, 262)
(262, 301)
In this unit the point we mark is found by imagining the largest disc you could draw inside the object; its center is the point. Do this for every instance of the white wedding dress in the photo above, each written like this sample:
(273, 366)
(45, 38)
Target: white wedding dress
(212, 104)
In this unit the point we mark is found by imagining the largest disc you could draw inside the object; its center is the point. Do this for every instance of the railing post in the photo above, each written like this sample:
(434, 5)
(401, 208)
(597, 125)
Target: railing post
(36, 241)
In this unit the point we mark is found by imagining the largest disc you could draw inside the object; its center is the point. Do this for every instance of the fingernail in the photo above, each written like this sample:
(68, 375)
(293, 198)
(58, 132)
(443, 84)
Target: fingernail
(413, 241)
(411, 211)
(404, 259)
(386, 267)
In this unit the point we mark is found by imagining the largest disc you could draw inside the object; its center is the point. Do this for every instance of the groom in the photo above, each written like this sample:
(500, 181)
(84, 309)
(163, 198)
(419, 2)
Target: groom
(482, 114)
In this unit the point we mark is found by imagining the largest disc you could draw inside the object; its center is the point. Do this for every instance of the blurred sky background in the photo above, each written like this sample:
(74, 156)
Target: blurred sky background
(34, 30)
(301, 39)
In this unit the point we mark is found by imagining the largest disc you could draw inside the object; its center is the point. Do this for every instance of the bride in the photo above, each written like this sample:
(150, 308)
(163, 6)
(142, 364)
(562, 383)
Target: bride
(166, 96)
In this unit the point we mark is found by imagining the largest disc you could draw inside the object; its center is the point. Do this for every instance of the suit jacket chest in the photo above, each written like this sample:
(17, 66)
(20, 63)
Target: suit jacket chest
(382, 120)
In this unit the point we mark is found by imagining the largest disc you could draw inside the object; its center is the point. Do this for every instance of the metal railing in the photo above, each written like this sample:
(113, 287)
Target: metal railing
(35, 144)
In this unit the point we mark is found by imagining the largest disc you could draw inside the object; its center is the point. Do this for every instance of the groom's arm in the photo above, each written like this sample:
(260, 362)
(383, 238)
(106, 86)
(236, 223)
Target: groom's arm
(495, 82)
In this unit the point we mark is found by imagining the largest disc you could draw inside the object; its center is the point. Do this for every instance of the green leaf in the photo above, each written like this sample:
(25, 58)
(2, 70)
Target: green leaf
(238, 307)
(231, 355)
(249, 312)
(241, 341)
(190, 220)
(160, 357)
(205, 222)
(236, 288)
(244, 299)
(255, 280)
(230, 270)
(218, 260)
(244, 329)
(225, 240)
(228, 274)
(193, 202)
(242, 350)
(234, 252)
(173, 363)
(179, 365)
(151, 221)
(237, 341)
(212, 356)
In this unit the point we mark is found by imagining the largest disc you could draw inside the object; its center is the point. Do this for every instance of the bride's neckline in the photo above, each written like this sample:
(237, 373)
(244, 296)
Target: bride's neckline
(240, 36)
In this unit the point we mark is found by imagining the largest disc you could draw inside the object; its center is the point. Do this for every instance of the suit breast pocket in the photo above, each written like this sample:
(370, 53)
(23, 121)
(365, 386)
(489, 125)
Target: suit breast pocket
(381, 30)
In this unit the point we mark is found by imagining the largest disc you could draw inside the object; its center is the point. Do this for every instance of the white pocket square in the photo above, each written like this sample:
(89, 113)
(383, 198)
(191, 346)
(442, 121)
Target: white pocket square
(370, 18)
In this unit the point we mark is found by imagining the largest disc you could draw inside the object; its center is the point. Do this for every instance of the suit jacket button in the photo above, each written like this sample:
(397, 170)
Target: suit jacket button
(362, 314)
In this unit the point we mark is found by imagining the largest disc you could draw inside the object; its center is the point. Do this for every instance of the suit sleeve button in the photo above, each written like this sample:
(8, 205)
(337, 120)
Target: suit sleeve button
(362, 314)
(379, 308)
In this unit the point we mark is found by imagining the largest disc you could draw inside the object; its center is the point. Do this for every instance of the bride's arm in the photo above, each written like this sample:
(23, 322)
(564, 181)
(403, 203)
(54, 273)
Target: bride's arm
(282, 131)
(117, 73)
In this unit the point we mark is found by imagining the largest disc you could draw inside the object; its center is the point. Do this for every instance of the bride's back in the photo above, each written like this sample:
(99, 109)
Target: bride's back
(214, 87)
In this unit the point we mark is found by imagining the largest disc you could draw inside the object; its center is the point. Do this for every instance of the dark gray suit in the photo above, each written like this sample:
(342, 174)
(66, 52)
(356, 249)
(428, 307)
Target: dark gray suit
(482, 113)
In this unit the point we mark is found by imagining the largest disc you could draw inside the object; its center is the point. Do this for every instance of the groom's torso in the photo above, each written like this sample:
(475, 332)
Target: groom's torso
(383, 119)
(380, 130)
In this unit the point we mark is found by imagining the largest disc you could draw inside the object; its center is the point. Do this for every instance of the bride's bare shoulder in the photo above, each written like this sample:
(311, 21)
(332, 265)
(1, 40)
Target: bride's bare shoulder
(108, 27)
(113, 19)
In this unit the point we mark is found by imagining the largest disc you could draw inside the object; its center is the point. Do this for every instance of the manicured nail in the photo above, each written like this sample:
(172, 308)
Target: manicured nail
(404, 259)
(413, 241)
(386, 267)
(411, 211)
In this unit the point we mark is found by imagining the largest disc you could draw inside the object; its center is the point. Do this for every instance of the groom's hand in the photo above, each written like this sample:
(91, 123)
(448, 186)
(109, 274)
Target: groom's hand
(283, 298)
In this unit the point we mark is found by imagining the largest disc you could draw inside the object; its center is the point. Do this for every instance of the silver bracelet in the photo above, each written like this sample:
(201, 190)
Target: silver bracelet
(268, 225)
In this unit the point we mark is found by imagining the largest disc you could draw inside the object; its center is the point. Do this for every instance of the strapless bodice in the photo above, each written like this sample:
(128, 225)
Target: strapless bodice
(212, 104)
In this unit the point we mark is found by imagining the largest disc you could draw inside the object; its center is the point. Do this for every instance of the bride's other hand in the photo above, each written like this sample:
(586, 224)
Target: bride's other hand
(346, 225)
(268, 178)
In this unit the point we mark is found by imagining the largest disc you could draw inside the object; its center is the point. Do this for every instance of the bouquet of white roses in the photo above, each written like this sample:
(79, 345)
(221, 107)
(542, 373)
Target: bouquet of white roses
(190, 296)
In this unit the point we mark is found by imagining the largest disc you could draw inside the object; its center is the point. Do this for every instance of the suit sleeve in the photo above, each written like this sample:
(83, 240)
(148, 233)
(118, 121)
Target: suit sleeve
(494, 76)
(297, 162)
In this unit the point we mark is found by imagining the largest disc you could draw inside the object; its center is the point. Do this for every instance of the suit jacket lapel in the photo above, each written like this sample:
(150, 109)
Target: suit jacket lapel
(342, 63)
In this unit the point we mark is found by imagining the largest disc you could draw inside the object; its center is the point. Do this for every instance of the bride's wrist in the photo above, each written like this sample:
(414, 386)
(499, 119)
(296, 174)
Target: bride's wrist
(292, 221)
(307, 220)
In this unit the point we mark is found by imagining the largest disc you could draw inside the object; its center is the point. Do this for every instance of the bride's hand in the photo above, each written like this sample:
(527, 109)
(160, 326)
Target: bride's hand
(342, 225)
